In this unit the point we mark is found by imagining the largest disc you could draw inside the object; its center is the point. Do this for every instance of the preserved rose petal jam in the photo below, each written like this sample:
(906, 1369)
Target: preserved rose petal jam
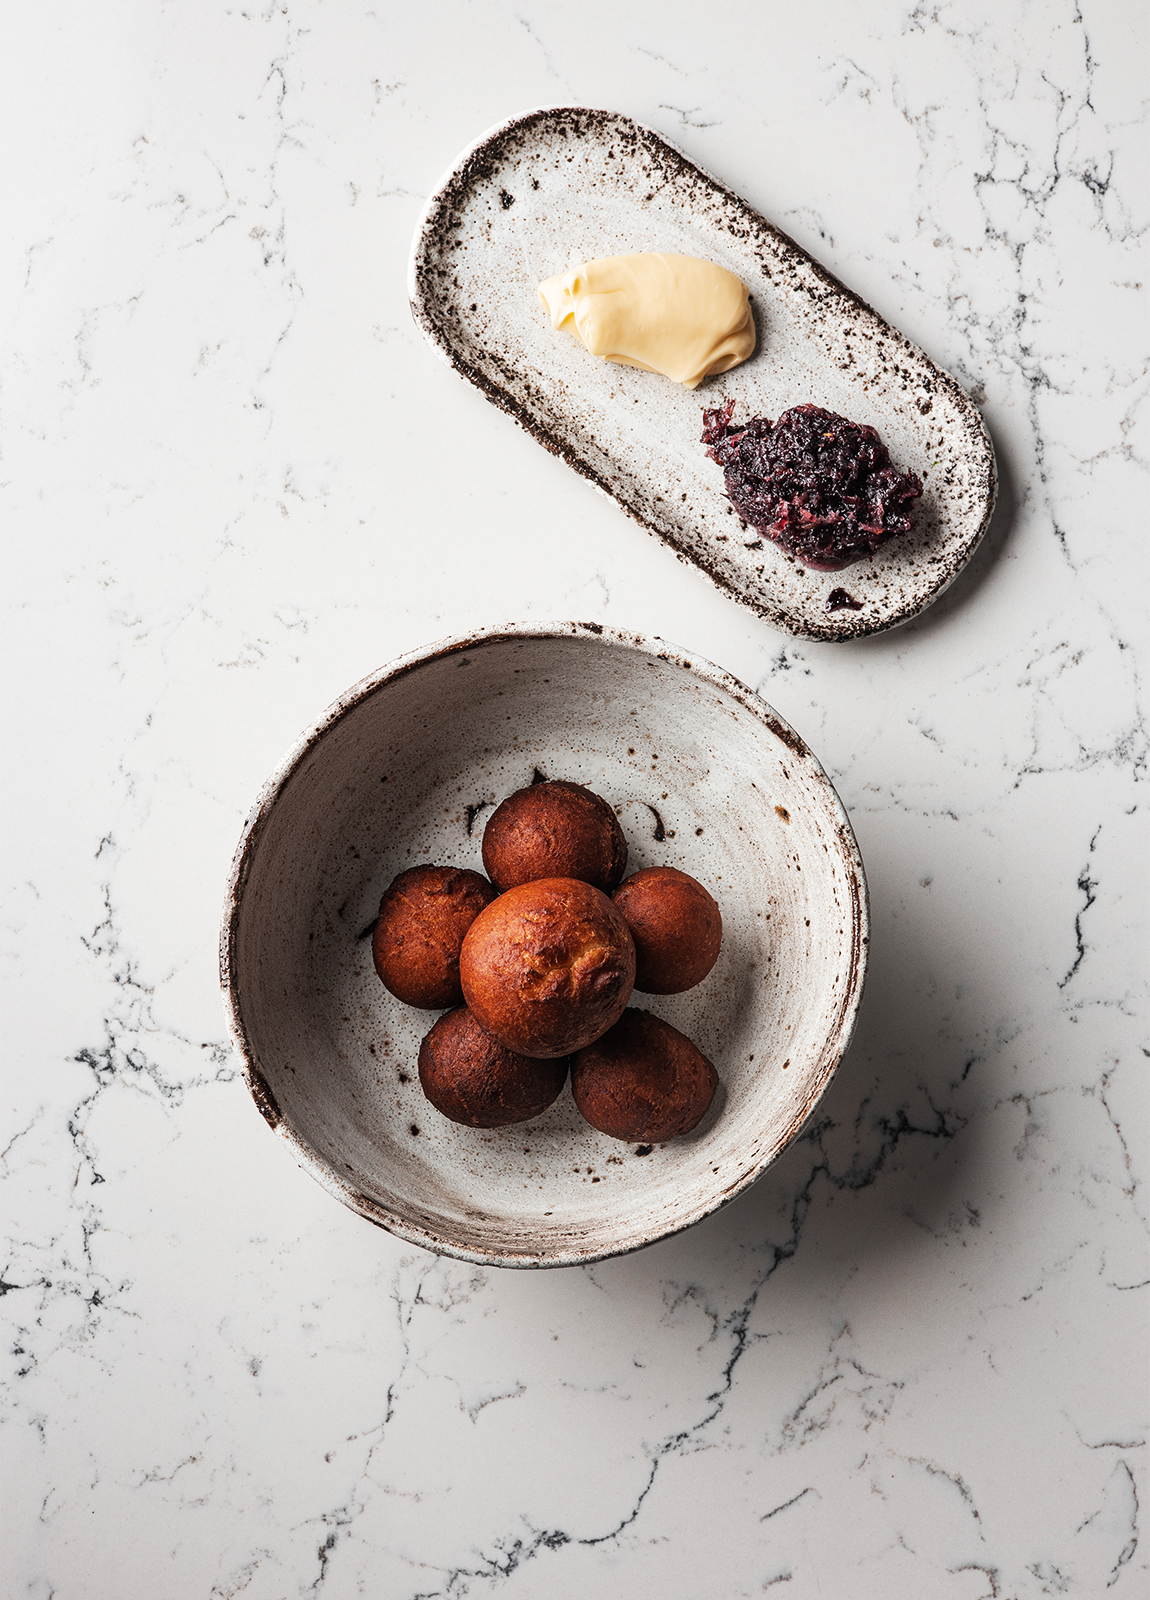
(819, 485)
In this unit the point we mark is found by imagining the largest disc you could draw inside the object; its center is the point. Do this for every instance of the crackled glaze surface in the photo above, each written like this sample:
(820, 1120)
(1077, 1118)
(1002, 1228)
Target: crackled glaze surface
(703, 776)
(558, 186)
(909, 1362)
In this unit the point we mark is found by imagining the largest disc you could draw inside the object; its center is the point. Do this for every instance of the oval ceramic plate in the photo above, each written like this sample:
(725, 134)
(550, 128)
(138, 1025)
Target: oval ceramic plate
(404, 769)
(551, 188)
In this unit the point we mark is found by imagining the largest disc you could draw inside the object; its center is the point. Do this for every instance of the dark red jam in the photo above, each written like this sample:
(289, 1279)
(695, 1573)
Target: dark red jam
(840, 600)
(821, 487)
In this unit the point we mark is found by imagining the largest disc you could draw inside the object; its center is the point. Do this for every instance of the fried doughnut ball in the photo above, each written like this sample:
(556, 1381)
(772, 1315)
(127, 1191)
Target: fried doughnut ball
(548, 966)
(643, 1081)
(422, 920)
(473, 1079)
(554, 830)
(676, 926)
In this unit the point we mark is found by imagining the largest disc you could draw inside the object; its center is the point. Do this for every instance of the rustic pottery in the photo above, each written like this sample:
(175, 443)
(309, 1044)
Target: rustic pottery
(403, 769)
(553, 187)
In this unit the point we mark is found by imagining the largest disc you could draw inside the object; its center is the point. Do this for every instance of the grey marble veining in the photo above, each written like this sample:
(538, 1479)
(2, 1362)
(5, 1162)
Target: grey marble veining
(910, 1361)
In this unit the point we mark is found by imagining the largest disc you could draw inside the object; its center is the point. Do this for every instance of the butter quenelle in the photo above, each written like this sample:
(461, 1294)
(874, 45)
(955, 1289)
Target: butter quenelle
(672, 314)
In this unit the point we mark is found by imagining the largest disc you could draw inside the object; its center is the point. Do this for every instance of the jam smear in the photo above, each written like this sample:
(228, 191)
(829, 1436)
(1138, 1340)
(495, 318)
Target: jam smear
(840, 600)
(819, 485)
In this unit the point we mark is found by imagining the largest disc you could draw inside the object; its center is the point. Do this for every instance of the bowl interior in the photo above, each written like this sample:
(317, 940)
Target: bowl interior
(704, 777)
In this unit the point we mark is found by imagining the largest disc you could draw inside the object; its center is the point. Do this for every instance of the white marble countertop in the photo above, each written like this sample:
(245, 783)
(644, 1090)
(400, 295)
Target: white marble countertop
(909, 1362)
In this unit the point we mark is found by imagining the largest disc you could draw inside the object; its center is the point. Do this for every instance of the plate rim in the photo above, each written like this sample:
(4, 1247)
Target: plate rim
(420, 298)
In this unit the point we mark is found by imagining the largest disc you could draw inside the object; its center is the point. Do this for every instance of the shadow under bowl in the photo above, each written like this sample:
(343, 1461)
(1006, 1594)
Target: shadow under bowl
(402, 770)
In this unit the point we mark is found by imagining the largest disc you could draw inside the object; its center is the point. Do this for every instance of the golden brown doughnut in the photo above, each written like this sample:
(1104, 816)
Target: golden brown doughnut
(548, 966)
(676, 926)
(554, 830)
(422, 920)
(473, 1079)
(643, 1081)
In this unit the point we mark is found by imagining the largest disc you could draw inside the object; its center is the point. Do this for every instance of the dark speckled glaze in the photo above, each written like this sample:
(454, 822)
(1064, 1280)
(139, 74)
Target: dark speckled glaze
(703, 775)
(555, 186)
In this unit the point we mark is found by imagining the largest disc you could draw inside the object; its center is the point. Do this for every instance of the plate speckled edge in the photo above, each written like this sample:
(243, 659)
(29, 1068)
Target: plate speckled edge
(255, 825)
(885, 378)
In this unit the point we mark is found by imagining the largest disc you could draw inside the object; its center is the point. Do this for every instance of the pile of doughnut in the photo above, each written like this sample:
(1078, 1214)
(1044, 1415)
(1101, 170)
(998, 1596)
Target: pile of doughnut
(538, 961)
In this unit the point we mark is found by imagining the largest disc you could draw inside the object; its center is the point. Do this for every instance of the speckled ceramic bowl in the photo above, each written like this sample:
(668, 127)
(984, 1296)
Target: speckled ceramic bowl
(401, 770)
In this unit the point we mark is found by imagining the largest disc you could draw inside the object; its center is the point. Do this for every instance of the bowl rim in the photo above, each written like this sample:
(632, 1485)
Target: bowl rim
(256, 823)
